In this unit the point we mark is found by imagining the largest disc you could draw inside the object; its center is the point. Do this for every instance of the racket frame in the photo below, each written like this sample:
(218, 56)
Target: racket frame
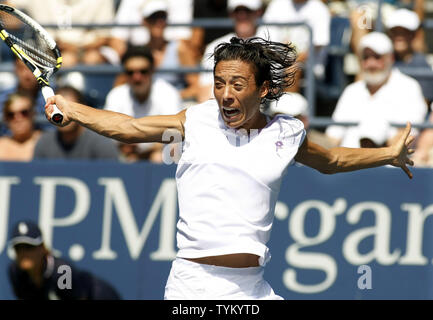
(41, 73)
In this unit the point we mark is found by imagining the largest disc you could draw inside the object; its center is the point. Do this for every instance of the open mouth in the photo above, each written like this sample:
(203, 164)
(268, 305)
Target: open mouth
(231, 113)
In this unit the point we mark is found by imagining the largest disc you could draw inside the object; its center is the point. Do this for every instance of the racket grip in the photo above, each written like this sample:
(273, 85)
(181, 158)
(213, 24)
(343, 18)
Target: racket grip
(57, 115)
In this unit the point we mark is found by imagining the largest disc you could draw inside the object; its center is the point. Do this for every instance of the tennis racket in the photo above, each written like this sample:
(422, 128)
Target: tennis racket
(34, 46)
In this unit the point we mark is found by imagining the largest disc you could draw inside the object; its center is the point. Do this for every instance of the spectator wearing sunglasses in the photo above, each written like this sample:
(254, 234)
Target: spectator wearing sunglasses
(140, 96)
(384, 93)
(18, 115)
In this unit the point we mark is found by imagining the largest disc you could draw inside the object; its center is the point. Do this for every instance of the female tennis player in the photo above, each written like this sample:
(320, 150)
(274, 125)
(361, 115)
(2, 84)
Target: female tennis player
(228, 178)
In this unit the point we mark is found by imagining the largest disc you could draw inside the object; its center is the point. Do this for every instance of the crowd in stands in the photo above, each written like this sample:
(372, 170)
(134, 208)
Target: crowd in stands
(378, 96)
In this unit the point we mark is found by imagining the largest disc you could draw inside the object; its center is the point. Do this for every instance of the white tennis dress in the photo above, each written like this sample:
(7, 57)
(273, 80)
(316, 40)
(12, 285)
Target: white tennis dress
(228, 184)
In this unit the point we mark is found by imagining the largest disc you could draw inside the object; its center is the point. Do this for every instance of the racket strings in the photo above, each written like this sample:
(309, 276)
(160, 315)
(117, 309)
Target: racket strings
(28, 40)
(39, 56)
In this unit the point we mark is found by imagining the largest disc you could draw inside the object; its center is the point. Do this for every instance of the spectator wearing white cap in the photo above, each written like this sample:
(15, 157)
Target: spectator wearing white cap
(383, 93)
(245, 14)
(131, 12)
(364, 17)
(402, 26)
(169, 54)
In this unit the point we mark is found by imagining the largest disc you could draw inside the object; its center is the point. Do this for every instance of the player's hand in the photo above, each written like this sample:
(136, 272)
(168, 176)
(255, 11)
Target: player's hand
(63, 106)
(401, 151)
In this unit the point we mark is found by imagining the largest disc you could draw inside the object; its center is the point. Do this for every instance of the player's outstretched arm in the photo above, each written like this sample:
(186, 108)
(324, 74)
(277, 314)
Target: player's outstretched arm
(341, 159)
(117, 125)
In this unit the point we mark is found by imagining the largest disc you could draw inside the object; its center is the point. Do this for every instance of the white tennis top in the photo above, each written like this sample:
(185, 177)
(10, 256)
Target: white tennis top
(228, 183)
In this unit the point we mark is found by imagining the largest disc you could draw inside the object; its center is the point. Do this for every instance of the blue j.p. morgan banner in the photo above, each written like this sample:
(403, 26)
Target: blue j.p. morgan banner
(361, 235)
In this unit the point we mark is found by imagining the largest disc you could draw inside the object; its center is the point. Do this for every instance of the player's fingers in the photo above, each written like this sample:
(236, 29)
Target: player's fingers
(410, 151)
(409, 140)
(50, 100)
(407, 129)
(409, 162)
(48, 109)
(405, 169)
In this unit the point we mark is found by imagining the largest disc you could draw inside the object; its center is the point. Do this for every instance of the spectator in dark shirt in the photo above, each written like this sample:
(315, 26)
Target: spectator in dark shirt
(37, 275)
(74, 141)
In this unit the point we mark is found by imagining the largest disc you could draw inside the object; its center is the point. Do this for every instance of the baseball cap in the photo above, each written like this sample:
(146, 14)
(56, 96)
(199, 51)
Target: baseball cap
(403, 18)
(293, 104)
(26, 232)
(375, 130)
(152, 6)
(376, 41)
(250, 4)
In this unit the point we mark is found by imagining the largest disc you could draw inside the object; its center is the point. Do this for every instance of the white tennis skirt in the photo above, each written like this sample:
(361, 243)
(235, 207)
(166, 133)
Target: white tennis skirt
(194, 281)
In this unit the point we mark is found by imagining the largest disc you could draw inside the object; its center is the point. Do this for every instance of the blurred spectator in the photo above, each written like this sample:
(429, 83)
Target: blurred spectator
(18, 114)
(208, 9)
(27, 85)
(78, 45)
(384, 93)
(402, 27)
(74, 141)
(141, 96)
(312, 12)
(35, 273)
(363, 16)
(423, 156)
(169, 54)
(295, 105)
(130, 12)
(245, 14)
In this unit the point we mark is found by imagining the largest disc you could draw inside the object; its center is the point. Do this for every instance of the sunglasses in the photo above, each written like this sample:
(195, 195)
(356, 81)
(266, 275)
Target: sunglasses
(11, 115)
(143, 72)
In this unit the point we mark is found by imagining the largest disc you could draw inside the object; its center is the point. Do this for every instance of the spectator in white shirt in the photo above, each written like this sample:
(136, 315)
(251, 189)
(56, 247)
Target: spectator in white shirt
(130, 12)
(312, 12)
(402, 26)
(141, 96)
(384, 93)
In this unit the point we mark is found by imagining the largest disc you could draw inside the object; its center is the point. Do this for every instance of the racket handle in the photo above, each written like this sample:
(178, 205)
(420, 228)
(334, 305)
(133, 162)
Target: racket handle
(57, 115)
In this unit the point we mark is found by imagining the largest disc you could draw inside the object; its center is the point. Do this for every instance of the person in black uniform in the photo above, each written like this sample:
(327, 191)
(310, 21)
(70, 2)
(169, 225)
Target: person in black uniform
(35, 273)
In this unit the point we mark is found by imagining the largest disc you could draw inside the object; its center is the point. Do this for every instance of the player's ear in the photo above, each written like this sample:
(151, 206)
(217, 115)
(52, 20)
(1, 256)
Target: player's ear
(264, 89)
